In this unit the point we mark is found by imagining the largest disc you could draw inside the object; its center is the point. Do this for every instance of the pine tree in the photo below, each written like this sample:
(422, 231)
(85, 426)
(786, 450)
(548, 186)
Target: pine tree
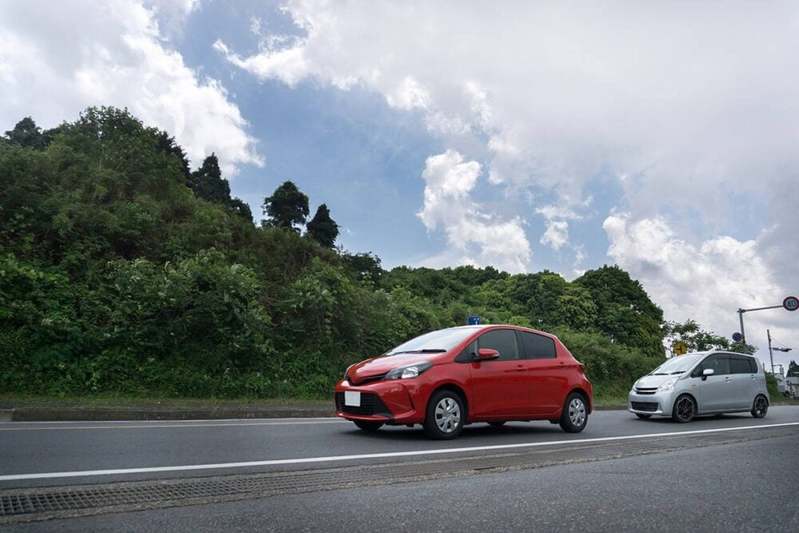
(208, 184)
(322, 228)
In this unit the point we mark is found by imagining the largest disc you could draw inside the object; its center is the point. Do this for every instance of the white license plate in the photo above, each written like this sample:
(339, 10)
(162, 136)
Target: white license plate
(352, 398)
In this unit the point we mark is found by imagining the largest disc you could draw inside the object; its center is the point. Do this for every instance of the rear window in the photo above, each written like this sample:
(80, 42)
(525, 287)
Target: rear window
(742, 365)
(501, 340)
(534, 346)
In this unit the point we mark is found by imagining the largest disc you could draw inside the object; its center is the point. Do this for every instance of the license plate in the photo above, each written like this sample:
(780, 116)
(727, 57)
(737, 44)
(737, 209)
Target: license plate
(352, 398)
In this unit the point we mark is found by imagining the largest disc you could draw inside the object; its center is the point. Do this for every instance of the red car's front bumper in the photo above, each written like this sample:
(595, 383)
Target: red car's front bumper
(391, 402)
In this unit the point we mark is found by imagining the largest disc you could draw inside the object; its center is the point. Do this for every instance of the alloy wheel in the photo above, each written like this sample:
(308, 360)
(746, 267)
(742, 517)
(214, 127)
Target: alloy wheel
(761, 406)
(685, 408)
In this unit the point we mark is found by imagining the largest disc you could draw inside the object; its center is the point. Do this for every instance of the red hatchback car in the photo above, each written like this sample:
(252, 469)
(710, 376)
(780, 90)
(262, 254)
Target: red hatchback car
(451, 377)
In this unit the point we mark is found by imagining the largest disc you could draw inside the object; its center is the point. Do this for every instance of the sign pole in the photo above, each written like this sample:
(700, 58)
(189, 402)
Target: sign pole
(741, 319)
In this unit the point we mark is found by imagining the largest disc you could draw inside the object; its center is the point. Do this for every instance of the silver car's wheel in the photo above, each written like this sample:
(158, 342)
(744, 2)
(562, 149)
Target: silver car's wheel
(684, 409)
(760, 407)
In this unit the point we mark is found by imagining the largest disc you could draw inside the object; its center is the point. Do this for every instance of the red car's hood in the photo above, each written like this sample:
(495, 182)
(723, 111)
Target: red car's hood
(377, 367)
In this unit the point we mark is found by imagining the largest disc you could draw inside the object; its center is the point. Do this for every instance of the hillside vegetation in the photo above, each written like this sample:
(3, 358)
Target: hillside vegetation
(123, 272)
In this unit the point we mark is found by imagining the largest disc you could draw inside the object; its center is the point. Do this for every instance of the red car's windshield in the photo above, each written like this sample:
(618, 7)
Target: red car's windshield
(435, 341)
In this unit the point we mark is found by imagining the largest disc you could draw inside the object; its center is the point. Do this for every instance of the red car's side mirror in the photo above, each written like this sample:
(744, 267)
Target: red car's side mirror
(485, 354)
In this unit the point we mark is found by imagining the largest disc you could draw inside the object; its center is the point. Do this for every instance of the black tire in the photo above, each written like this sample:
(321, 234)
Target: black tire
(445, 415)
(498, 424)
(643, 417)
(760, 406)
(369, 427)
(575, 413)
(684, 409)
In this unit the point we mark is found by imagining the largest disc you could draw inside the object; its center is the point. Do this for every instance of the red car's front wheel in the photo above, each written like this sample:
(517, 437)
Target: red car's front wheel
(445, 415)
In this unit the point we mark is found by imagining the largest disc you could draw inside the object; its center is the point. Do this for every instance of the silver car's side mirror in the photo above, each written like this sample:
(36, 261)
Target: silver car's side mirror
(707, 372)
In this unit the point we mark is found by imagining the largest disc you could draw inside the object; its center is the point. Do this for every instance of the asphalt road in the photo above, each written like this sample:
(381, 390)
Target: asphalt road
(735, 472)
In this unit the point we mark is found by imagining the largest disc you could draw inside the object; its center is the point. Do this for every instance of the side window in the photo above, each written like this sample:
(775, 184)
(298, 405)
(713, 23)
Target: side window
(753, 365)
(468, 354)
(719, 363)
(534, 346)
(503, 341)
(741, 365)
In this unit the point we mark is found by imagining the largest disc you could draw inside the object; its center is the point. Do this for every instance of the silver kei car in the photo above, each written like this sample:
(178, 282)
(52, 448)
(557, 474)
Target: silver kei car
(701, 383)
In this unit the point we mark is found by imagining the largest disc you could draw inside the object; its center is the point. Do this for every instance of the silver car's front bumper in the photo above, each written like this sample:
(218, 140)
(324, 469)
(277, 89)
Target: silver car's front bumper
(658, 404)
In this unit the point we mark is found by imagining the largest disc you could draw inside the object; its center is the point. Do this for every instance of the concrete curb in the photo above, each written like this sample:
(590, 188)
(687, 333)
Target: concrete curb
(43, 414)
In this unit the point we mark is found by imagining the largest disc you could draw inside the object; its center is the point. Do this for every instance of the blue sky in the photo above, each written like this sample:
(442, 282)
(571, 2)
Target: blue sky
(659, 137)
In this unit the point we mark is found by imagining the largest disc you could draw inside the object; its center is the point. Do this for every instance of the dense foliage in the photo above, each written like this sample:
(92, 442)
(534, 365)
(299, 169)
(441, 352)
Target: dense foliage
(123, 272)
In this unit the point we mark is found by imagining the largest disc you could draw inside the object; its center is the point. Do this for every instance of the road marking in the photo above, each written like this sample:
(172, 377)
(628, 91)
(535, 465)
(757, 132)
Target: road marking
(300, 422)
(336, 458)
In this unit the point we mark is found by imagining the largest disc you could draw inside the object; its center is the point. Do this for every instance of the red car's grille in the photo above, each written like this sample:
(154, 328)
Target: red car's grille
(371, 404)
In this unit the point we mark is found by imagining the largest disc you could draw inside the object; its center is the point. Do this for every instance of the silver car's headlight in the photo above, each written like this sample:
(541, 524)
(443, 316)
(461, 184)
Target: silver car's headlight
(667, 385)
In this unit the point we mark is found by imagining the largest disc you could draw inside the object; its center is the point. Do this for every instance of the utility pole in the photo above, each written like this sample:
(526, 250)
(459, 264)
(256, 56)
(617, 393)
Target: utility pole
(770, 351)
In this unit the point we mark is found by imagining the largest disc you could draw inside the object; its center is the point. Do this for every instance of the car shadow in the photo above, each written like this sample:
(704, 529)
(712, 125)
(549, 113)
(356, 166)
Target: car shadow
(698, 420)
(477, 430)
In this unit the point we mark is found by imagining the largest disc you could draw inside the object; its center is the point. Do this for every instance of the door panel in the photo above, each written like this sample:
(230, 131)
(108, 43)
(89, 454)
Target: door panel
(743, 370)
(715, 393)
(547, 385)
(547, 376)
(500, 387)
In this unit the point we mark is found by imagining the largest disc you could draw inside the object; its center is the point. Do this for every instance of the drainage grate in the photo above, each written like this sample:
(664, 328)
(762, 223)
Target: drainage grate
(51, 502)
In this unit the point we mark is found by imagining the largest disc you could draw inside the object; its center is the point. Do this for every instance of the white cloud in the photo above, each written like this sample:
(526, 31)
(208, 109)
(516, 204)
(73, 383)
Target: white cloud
(558, 92)
(474, 237)
(690, 111)
(707, 281)
(57, 58)
(556, 234)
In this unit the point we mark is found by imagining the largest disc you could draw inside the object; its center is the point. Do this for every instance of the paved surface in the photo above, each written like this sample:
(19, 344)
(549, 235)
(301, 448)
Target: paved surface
(610, 477)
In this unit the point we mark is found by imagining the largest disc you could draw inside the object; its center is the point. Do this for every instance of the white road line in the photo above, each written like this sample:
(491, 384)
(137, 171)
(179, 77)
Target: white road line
(173, 421)
(305, 460)
(189, 425)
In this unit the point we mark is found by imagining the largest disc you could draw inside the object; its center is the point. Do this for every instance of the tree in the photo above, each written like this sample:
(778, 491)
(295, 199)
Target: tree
(366, 266)
(208, 184)
(322, 228)
(624, 310)
(694, 337)
(169, 146)
(241, 208)
(27, 134)
(286, 207)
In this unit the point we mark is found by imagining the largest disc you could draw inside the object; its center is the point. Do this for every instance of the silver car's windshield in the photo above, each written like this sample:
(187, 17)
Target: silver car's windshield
(435, 341)
(677, 365)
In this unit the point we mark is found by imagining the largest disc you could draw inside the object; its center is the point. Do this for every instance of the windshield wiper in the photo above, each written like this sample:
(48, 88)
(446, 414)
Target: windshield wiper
(677, 372)
(425, 350)
(659, 374)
